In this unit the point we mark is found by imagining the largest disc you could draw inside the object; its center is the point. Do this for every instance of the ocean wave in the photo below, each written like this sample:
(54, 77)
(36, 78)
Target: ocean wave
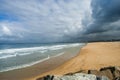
(23, 66)
(25, 57)
(8, 53)
(30, 64)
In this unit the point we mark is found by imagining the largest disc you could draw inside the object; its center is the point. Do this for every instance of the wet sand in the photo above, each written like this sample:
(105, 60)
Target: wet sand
(37, 69)
(92, 56)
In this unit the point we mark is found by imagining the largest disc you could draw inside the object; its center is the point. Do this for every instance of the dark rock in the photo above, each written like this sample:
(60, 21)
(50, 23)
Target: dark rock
(117, 72)
(76, 76)
(117, 78)
(110, 72)
(106, 73)
(69, 74)
(48, 77)
(102, 73)
(98, 78)
(106, 68)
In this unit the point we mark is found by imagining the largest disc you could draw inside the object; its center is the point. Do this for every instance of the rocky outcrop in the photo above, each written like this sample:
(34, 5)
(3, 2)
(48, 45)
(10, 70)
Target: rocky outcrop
(80, 76)
(113, 73)
(107, 73)
(77, 76)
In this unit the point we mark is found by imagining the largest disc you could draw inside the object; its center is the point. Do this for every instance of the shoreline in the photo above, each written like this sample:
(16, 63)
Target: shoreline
(32, 71)
(93, 56)
(32, 64)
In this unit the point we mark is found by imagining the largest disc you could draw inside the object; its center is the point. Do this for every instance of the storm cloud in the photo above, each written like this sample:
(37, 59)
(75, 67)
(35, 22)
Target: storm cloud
(106, 20)
(59, 20)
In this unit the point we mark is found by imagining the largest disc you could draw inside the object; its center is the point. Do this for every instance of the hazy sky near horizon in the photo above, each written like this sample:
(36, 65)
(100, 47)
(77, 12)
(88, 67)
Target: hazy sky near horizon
(59, 20)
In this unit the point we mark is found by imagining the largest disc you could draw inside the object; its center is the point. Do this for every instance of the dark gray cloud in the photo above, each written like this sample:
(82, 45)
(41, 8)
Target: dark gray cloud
(59, 20)
(106, 20)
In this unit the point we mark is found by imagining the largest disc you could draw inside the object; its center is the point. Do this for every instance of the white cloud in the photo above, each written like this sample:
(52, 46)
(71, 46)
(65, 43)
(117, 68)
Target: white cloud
(46, 18)
(6, 30)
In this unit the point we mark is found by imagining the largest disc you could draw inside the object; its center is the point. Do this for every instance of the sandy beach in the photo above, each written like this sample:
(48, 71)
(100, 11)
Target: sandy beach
(92, 56)
(31, 72)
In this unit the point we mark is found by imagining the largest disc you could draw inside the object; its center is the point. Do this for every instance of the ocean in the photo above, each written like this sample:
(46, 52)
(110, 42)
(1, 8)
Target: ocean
(15, 56)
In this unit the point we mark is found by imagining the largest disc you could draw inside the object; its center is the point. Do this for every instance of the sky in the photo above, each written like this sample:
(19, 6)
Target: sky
(45, 21)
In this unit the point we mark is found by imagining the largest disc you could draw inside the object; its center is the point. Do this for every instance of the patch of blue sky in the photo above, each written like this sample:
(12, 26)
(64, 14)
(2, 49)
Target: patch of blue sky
(7, 17)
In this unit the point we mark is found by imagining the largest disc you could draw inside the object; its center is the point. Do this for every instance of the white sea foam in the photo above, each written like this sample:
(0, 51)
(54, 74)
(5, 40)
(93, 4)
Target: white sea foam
(25, 65)
(30, 64)
(7, 53)
(42, 51)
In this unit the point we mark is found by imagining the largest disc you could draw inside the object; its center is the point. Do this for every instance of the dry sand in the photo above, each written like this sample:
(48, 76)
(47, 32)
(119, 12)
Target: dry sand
(92, 56)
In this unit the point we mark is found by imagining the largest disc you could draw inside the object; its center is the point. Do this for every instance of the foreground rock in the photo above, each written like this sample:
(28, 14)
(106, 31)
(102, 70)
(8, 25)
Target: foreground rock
(77, 76)
(107, 73)
(113, 73)
(81, 76)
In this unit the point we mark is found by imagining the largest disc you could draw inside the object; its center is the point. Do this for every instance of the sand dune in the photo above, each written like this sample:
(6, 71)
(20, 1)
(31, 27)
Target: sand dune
(92, 56)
